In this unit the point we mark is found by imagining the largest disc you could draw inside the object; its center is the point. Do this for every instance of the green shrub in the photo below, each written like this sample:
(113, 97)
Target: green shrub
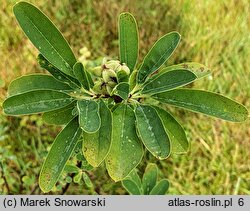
(114, 110)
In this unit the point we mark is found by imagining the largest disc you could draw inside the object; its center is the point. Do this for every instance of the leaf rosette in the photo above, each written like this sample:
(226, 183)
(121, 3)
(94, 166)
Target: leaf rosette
(115, 110)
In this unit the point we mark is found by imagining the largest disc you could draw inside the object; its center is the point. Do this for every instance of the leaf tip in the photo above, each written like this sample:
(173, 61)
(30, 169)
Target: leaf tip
(44, 188)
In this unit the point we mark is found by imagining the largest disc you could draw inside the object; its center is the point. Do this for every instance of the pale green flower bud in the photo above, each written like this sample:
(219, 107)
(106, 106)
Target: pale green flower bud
(109, 75)
(97, 71)
(122, 73)
(100, 87)
(123, 68)
(112, 64)
(109, 90)
(111, 84)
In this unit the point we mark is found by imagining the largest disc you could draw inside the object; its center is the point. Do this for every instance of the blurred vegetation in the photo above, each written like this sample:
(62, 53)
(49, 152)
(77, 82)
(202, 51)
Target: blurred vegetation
(215, 33)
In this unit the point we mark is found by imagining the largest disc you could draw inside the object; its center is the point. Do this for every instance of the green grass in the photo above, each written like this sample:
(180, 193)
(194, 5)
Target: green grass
(215, 33)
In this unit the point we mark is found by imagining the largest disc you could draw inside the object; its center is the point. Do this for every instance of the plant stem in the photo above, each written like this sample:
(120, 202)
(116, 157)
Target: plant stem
(135, 89)
(66, 187)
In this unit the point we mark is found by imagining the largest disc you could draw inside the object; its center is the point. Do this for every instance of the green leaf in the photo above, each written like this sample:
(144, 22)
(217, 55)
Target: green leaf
(45, 36)
(126, 149)
(158, 55)
(205, 102)
(87, 180)
(59, 154)
(35, 82)
(135, 178)
(60, 116)
(168, 80)
(132, 80)
(128, 37)
(132, 183)
(131, 187)
(81, 75)
(57, 74)
(121, 90)
(176, 134)
(71, 169)
(36, 102)
(89, 118)
(77, 178)
(122, 76)
(161, 188)
(199, 70)
(151, 131)
(149, 178)
(96, 145)
(90, 80)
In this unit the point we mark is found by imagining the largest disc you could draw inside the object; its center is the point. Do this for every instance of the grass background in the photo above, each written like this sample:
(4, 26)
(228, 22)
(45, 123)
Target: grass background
(215, 33)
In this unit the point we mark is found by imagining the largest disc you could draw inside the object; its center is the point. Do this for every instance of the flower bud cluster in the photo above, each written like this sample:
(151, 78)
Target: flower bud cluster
(109, 74)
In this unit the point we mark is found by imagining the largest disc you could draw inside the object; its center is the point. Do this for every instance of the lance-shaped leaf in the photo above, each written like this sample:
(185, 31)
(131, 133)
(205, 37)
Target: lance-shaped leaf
(36, 102)
(35, 82)
(161, 188)
(71, 169)
(131, 187)
(45, 36)
(89, 118)
(87, 180)
(60, 116)
(132, 183)
(205, 102)
(121, 90)
(169, 80)
(158, 55)
(57, 74)
(149, 178)
(199, 70)
(81, 75)
(58, 155)
(128, 37)
(176, 134)
(126, 149)
(96, 145)
(151, 131)
(135, 177)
